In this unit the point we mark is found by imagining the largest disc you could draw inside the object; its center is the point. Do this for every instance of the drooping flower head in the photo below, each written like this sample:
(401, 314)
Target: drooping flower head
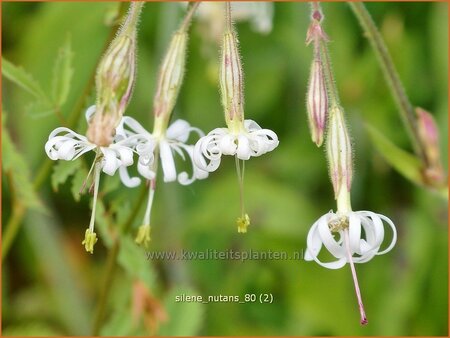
(164, 141)
(350, 236)
(242, 138)
(114, 83)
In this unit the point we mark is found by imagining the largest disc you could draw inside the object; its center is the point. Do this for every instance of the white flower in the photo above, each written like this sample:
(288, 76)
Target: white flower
(65, 144)
(244, 143)
(166, 144)
(259, 14)
(365, 233)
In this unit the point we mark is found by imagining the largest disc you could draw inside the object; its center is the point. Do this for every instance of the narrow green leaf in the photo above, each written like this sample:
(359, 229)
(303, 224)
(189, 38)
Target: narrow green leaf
(62, 73)
(185, 318)
(405, 163)
(15, 164)
(62, 171)
(20, 77)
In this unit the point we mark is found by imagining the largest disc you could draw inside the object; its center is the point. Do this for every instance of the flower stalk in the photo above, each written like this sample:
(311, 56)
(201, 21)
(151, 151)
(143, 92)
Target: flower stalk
(398, 92)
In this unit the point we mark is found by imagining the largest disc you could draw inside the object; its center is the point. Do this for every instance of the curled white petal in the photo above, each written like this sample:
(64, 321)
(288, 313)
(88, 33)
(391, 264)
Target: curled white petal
(251, 141)
(197, 173)
(167, 162)
(68, 146)
(366, 234)
(130, 182)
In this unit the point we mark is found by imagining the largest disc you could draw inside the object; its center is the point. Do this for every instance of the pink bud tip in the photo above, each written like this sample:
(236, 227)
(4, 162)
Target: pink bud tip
(316, 15)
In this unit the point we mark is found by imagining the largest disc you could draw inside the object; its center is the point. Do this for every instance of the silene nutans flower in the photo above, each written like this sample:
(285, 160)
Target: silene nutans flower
(349, 236)
(114, 84)
(165, 140)
(242, 138)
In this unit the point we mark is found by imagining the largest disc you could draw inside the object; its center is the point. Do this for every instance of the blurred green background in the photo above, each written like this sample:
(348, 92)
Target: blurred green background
(50, 285)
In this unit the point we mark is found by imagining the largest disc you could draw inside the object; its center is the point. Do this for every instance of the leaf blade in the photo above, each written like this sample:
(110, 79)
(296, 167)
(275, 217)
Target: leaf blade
(20, 77)
(62, 73)
(405, 163)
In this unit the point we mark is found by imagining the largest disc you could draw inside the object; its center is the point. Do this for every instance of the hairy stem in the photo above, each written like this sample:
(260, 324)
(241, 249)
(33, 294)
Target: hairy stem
(405, 107)
(188, 18)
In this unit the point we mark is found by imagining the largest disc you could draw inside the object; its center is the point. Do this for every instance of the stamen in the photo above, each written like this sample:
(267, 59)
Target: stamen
(244, 221)
(91, 237)
(143, 236)
(151, 193)
(87, 177)
(355, 279)
(94, 204)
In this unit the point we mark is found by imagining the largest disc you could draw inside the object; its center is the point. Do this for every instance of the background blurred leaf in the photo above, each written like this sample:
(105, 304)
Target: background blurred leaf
(17, 166)
(184, 318)
(33, 329)
(133, 260)
(62, 73)
(62, 170)
(77, 183)
(20, 77)
(405, 163)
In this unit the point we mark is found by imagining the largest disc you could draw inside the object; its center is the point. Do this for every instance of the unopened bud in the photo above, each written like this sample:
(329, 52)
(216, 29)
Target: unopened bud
(315, 31)
(170, 77)
(317, 102)
(115, 79)
(429, 137)
(231, 79)
(339, 151)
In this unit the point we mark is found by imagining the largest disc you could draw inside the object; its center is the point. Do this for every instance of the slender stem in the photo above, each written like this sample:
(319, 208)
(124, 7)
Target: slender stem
(355, 279)
(240, 176)
(188, 18)
(18, 211)
(132, 16)
(94, 204)
(228, 21)
(111, 265)
(405, 107)
(320, 46)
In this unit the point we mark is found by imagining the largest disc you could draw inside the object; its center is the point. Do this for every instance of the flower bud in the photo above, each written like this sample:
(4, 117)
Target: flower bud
(315, 31)
(114, 80)
(339, 151)
(170, 78)
(429, 137)
(317, 102)
(231, 79)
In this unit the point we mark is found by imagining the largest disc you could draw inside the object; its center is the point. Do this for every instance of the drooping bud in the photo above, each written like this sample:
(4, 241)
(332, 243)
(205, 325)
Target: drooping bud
(315, 31)
(339, 152)
(317, 102)
(169, 81)
(115, 79)
(231, 79)
(317, 96)
(171, 74)
(429, 137)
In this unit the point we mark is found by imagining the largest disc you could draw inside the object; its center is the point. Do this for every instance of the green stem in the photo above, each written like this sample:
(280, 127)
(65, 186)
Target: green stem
(19, 209)
(321, 53)
(111, 265)
(192, 7)
(405, 107)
